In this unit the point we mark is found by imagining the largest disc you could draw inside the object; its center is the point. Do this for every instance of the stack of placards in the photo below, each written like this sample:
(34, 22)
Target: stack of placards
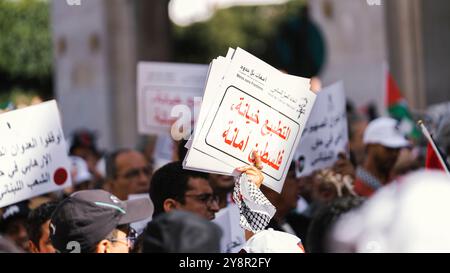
(249, 105)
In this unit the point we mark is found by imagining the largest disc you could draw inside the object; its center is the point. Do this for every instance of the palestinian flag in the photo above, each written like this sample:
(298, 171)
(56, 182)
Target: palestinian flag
(432, 160)
(398, 108)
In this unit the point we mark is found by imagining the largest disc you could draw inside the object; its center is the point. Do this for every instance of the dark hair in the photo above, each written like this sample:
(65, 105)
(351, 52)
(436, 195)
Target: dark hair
(170, 181)
(325, 218)
(37, 218)
(110, 162)
(292, 166)
(182, 151)
(84, 138)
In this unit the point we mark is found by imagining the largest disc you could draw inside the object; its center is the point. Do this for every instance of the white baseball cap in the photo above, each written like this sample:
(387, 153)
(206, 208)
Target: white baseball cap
(272, 241)
(384, 131)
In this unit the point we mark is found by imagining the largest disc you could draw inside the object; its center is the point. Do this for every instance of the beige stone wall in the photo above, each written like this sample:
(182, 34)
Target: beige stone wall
(97, 47)
(356, 42)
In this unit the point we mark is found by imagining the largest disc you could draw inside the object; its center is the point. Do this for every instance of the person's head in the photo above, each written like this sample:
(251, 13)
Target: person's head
(181, 232)
(324, 219)
(127, 172)
(95, 221)
(383, 141)
(13, 224)
(38, 228)
(384, 158)
(83, 144)
(175, 188)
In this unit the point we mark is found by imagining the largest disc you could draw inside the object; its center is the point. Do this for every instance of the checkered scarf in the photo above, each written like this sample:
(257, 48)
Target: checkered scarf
(255, 209)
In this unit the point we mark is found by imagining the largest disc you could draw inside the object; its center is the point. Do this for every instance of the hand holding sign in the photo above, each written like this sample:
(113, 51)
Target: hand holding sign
(254, 172)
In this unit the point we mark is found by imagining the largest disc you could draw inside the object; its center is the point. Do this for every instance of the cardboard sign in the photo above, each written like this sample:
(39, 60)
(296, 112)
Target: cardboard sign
(163, 86)
(33, 157)
(195, 159)
(325, 135)
(244, 123)
(254, 107)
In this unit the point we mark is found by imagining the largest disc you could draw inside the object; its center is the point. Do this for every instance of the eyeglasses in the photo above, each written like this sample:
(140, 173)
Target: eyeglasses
(134, 173)
(130, 240)
(207, 198)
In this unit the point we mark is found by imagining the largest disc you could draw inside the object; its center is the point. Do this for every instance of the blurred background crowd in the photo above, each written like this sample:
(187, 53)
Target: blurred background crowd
(84, 54)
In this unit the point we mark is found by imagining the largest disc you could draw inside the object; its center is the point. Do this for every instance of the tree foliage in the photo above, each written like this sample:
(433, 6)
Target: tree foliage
(25, 49)
(252, 28)
(25, 43)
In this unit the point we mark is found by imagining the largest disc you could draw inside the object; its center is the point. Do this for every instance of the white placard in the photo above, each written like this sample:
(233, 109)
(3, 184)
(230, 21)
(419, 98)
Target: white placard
(256, 107)
(163, 86)
(326, 132)
(33, 157)
(195, 159)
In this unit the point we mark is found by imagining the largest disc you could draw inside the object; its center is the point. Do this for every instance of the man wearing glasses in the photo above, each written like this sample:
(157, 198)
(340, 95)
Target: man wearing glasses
(173, 188)
(95, 221)
(127, 172)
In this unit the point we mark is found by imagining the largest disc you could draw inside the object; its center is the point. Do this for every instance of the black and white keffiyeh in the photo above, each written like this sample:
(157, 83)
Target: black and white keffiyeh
(255, 209)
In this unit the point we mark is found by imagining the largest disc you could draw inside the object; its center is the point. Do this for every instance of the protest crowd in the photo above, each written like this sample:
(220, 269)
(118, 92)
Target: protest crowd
(273, 163)
(332, 209)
